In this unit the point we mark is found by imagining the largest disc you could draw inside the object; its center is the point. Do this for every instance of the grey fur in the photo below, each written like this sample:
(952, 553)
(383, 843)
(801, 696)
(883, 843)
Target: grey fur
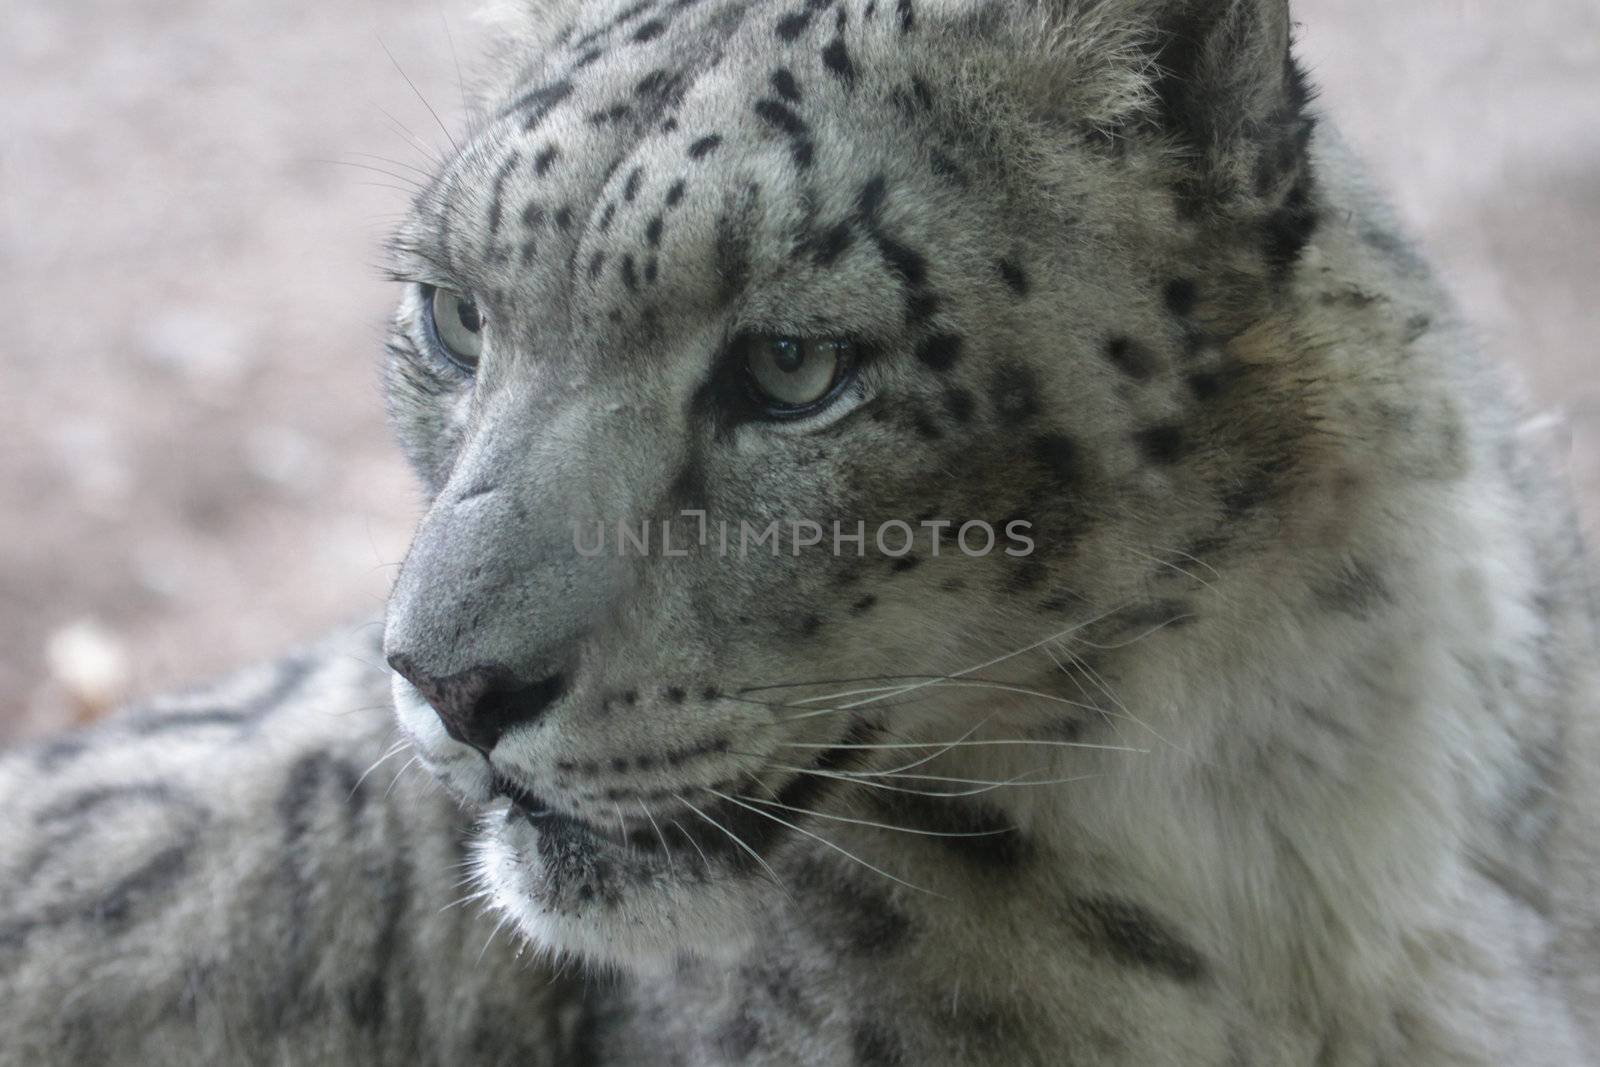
(1278, 748)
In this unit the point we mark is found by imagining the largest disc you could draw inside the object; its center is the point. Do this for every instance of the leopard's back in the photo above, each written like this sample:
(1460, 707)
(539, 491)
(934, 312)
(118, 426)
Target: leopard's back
(250, 872)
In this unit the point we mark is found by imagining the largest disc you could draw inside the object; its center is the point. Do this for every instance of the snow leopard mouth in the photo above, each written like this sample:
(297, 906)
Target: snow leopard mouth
(738, 821)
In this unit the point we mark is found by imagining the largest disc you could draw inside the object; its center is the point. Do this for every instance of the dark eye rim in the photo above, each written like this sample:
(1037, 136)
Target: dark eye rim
(844, 375)
(435, 341)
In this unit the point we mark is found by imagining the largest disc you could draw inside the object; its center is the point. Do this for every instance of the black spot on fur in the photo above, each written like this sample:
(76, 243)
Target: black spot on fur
(630, 189)
(920, 307)
(1161, 444)
(631, 12)
(1133, 936)
(976, 833)
(54, 753)
(959, 403)
(540, 102)
(1013, 274)
(873, 194)
(675, 694)
(1027, 573)
(908, 15)
(832, 244)
(649, 31)
(792, 26)
(630, 274)
(1208, 385)
(675, 193)
(609, 116)
(864, 605)
(597, 263)
(851, 917)
(786, 120)
(1356, 590)
(836, 57)
(731, 244)
(285, 686)
(705, 146)
(785, 86)
(652, 231)
(1060, 456)
(1181, 295)
(607, 215)
(1131, 358)
(563, 218)
(941, 351)
(903, 261)
(905, 563)
(924, 426)
(497, 190)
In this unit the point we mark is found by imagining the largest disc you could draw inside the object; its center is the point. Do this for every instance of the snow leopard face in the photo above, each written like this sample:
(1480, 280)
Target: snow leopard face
(775, 367)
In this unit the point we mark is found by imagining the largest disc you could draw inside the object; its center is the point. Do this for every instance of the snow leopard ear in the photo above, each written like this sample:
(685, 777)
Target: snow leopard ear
(1213, 78)
(1229, 93)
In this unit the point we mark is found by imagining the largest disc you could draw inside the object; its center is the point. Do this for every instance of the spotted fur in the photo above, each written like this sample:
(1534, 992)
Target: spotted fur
(1276, 748)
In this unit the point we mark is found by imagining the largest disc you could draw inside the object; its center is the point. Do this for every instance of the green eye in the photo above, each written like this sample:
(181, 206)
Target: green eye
(457, 325)
(793, 375)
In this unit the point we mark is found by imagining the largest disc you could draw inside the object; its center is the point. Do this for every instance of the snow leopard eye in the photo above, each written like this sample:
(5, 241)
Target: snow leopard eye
(793, 376)
(456, 325)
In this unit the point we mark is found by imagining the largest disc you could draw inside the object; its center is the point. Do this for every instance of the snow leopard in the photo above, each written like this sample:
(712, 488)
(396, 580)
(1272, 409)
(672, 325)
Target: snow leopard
(958, 532)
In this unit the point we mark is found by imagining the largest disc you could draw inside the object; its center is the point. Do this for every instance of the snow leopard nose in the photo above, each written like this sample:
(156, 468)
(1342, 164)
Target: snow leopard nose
(478, 705)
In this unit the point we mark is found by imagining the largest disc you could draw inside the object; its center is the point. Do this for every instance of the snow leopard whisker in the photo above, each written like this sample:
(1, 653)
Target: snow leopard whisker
(1104, 687)
(404, 767)
(982, 743)
(823, 841)
(455, 59)
(738, 841)
(1157, 628)
(406, 134)
(414, 183)
(705, 863)
(478, 894)
(1018, 781)
(879, 825)
(1167, 563)
(426, 176)
(492, 935)
(659, 835)
(835, 681)
(940, 749)
(964, 683)
(1196, 560)
(393, 751)
(1051, 639)
(401, 70)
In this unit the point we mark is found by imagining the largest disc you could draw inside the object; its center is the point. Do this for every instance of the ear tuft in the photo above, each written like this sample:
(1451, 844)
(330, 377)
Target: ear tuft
(1230, 104)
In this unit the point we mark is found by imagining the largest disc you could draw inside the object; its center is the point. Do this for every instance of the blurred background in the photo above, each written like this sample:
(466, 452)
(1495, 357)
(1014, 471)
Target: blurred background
(194, 468)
